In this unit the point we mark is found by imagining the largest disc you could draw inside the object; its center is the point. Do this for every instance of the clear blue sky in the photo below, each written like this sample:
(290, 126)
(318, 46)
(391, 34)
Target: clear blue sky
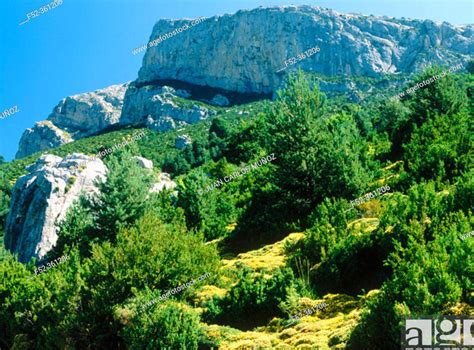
(84, 45)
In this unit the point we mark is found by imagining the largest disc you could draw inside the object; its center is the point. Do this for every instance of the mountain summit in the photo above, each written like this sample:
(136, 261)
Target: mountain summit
(243, 52)
(249, 52)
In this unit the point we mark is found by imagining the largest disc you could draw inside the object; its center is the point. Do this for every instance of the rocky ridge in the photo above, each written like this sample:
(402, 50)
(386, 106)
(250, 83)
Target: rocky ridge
(243, 52)
(73, 118)
(158, 108)
(246, 53)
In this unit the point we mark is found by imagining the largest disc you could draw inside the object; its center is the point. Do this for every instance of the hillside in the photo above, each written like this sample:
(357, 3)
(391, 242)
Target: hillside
(216, 204)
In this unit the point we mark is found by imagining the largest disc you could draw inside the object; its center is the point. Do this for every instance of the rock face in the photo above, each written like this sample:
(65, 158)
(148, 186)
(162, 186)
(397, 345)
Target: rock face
(243, 52)
(220, 100)
(43, 196)
(73, 118)
(159, 108)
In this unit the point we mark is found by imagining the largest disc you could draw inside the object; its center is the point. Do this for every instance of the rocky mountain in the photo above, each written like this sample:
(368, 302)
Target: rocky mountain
(250, 52)
(243, 52)
(43, 196)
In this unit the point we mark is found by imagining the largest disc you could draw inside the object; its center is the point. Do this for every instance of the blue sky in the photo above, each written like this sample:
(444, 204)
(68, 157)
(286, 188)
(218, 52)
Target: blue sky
(84, 45)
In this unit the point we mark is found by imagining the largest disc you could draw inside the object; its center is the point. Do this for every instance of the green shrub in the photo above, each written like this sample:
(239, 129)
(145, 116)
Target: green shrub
(253, 300)
(148, 255)
(446, 143)
(431, 274)
(207, 211)
(328, 226)
(96, 218)
(352, 265)
(39, 310)
(169, 326)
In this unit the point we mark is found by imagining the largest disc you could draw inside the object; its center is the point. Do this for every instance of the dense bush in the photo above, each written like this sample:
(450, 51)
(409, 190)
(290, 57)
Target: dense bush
(328, 226)
(207, 211)
(253, 300)
(318, 155)
(168, 326)
(123, 199)
(447, 145)
(429, 277)
(39, 312)
(149, 255)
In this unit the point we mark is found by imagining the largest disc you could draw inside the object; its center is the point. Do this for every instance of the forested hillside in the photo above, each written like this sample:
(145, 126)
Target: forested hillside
(358, 212)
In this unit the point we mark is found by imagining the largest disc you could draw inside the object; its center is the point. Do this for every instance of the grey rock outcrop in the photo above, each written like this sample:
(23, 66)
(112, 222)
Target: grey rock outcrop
(144, 163)
(42, 197)
(243, 52)
(43, 136)
(182, 141)
(159, 108)
(73, 118)
(164, 182)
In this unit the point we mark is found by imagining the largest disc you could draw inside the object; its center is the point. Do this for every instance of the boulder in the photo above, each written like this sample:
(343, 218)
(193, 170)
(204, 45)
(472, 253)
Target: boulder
(220, 100)
(144, 163)
(164, 182)
(182, 141)
(41, 137)
(43, 196)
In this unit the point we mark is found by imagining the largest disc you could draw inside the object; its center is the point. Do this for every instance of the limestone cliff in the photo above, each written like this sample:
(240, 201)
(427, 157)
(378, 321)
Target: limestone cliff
(243, 52)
